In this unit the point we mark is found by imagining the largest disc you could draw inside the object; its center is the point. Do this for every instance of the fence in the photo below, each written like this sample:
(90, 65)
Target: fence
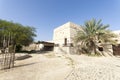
(7, 51)
(6, 59)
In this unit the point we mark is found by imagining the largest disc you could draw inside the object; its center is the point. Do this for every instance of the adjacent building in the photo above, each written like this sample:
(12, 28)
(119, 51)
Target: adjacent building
(116, 49)
(39, 46)
(117, 32)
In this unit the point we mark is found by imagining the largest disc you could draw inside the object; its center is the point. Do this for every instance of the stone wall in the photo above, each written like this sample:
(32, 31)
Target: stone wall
(68, 32)
(33, 46)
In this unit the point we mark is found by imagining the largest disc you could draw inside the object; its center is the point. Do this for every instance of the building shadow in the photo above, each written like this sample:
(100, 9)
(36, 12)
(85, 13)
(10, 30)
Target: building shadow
(24, 65)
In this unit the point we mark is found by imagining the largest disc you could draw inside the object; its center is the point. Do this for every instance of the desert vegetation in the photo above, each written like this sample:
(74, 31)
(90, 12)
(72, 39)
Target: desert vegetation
(93, 36)
(12, 37)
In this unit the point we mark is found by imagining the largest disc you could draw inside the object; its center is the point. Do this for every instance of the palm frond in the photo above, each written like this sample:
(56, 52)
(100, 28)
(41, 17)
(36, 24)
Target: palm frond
(92, 32)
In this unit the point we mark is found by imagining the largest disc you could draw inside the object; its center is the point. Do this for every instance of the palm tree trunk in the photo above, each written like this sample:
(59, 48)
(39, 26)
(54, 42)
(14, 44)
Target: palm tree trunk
(93, 47)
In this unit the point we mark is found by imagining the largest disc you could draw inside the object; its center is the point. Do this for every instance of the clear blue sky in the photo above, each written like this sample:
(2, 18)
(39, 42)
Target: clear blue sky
(45, 15)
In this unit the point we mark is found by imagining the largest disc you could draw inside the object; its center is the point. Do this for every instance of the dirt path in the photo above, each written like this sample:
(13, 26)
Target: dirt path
(39, 67)
(95, 68)
(49, 67)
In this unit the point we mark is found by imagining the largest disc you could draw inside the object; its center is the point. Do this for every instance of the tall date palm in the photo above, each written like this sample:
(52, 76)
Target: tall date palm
(94, 32)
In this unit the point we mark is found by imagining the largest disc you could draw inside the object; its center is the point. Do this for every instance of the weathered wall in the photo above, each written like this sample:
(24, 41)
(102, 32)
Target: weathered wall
(33, 46)
(118, 36)
(61, 33)
(68, 30)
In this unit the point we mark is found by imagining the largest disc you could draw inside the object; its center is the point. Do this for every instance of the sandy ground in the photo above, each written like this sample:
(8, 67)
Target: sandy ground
(64, 67)
(38, 67)
(95, 68)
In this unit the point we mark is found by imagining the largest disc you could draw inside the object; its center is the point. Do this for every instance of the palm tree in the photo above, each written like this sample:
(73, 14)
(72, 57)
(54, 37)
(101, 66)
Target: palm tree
(93, 33)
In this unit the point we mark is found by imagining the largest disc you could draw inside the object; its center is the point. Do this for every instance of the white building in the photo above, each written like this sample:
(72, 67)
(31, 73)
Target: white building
(33, 46)
(63, 37)
(117, 32)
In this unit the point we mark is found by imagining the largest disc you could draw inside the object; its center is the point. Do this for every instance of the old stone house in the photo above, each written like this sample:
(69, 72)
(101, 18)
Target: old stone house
(63, 39)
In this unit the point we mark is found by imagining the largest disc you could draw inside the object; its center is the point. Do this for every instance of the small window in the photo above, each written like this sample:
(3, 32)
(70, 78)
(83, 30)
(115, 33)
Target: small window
(100, 48)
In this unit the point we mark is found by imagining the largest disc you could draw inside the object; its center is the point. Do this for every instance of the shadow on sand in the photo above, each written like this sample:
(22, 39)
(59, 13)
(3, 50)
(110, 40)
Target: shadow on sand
(24, 65)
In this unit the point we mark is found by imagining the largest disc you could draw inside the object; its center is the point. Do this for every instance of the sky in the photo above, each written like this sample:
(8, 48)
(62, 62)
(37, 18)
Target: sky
(45, 15)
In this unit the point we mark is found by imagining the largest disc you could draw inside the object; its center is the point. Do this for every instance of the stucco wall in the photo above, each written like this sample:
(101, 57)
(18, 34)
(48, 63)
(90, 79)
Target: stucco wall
(61, 33)
(68, 30)
(118, 36)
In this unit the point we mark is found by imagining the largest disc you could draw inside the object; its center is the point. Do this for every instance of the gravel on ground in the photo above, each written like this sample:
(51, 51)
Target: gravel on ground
(51, 67)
